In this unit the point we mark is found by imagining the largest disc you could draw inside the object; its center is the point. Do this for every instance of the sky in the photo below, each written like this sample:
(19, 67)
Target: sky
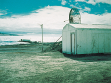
(26, 16)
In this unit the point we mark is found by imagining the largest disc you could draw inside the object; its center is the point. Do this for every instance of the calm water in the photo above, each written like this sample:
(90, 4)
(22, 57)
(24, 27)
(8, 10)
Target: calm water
(10, 40)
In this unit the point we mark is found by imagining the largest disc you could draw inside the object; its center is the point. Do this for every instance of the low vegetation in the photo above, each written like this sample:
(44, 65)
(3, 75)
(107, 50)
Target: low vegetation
(27, 64)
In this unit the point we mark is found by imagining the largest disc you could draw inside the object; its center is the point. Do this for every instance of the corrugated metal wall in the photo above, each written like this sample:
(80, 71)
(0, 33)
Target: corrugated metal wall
(64, 41)
(87, 41)
(93, 41)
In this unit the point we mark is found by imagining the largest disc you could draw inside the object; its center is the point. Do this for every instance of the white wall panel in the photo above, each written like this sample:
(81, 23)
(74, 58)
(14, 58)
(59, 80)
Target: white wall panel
(101, 42)
(81, 41)
(64, 42)
(95, 42)
(110, 42)
(107, 43)
(78, 41)
(89, 41)
(73, 43)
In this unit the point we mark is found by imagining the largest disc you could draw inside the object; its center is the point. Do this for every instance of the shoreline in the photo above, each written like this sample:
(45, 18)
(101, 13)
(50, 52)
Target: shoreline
(31, 47)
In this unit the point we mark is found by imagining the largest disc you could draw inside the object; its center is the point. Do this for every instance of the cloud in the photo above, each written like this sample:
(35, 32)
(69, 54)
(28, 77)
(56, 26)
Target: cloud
(95, 1)
(96, 19)
(91, 2)
(80, 0)
(103, 1)
(52, 17)
(63, 2)
(88, 1)
(3, 12)
(71, 5)
(87, 9)
(69, 0)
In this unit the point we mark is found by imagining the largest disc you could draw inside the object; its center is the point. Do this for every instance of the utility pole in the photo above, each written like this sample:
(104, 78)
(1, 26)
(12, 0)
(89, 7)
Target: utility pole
(42, 35)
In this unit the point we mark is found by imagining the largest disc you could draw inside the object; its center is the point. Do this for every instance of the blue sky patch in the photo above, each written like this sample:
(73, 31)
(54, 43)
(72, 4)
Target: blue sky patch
(16, 7)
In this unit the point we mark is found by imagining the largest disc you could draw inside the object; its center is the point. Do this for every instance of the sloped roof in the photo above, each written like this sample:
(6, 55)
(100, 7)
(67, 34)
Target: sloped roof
(91, 26)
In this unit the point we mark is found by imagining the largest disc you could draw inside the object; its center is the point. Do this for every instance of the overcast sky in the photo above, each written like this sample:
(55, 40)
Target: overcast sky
(26, 15)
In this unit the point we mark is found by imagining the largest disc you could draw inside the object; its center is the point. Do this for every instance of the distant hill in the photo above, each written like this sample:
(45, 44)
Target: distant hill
(7, 34)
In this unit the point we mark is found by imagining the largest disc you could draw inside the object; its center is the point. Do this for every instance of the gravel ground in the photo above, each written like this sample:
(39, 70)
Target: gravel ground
(27, 64)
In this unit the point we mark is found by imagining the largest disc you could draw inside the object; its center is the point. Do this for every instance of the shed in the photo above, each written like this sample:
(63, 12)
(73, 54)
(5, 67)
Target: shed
(86, 38)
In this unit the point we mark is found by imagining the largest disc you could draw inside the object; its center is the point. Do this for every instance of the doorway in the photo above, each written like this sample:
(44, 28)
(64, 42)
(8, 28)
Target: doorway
(72, 43)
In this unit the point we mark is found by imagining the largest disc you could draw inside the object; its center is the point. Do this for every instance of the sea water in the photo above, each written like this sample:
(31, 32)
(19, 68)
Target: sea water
(11, 40)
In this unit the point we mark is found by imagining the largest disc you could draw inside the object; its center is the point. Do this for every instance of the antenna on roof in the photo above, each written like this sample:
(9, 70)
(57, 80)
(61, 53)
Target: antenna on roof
(74, 16)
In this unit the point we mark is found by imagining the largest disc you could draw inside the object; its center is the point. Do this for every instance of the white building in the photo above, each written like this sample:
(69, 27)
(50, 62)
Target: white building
(86, 39)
